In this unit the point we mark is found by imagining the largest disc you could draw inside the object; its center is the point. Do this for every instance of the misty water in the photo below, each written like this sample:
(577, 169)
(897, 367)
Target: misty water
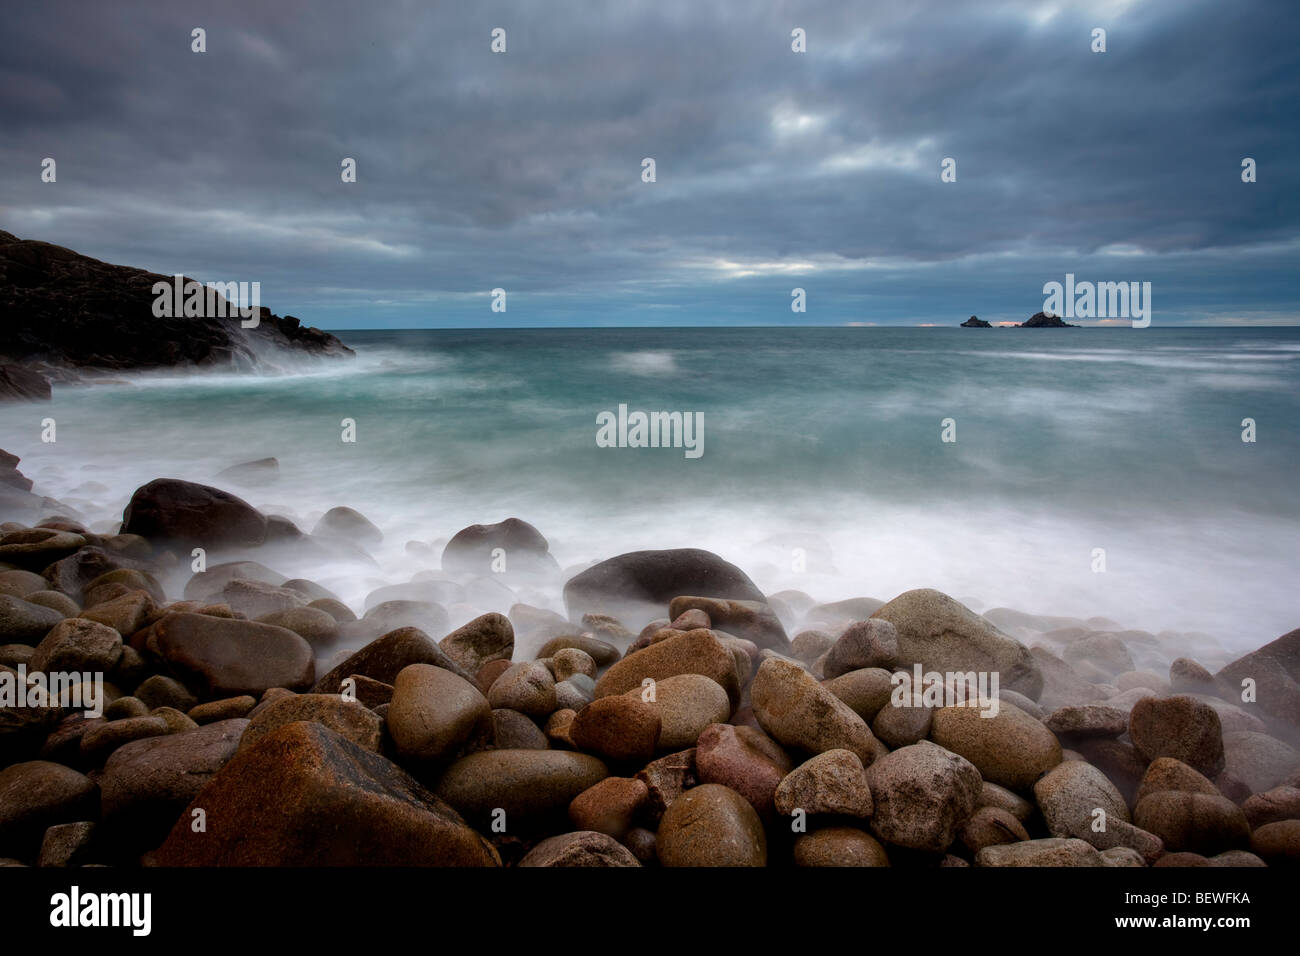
(823, 465)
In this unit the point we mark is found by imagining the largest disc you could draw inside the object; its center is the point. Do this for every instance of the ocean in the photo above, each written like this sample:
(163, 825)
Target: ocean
(1094, 472)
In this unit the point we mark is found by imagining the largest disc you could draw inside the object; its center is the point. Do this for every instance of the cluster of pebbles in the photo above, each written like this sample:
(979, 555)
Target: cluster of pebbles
(250, 719)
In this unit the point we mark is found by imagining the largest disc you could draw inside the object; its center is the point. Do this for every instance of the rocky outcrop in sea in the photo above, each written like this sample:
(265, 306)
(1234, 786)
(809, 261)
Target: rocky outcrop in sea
(67, 316)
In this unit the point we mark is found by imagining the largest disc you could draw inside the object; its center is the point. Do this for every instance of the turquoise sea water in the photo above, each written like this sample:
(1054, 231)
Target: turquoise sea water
(822, 469)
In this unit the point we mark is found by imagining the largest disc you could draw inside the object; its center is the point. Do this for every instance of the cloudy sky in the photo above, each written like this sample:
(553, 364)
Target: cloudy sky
(522, 170)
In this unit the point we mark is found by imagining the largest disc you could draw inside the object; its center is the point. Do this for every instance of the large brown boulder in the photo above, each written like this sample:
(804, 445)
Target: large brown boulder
(224, 657)
(147, 783)
(192, 515)
(383, 659)
(944, 635)
(1275, 669)
(532, 787)
(637, 587)
(691, 652)
(471, 549)
(305, 796)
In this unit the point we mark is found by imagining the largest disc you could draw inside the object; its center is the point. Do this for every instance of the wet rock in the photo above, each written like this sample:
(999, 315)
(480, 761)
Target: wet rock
(1275, 671)
(37, 548)
(807, 646)
(576, 692)
(1104, 650)
(1088, 720)
(220, 657)
(582, 848)
(992, 795)
(515, 731)
(24, 623)
(870, 643)
(946, 636)
(126, 707)
(690, 652)
(313, 625)
(1063, 686)
(393, 615)
(1259, 761)
(54, 600)
(602, 652)
(618, 728)
(799, 712)
(568, 661)
(1070, 795)
(750, 620)
(271, 798)
(435, 714)
(611, 806)
(36, 795)
(1179, 727)
(383, 658)
(866, 691)
(163, 691)
(1280, 803)
(1188, 676)
(527, 687)
(206, 585)
(666, 779)
(22, 584)
(228, 708)
(1278, 844)
(833, 782)
(341, 613)
(1011, 749)
(745, 760)
(102, 739)
(922, 795)
(1194, 822)
(1236, 858)
(78, 645)
(1053, 851)
(685, 704)
(192, 515)
(487, 638)
(711, 825)
(67, 844)
(533, 787)
(263, 471)
(839, 846)
(471, 550)
(349, 524)
(901, 726)
(557, 728)
(1166, 773)
(147, 783)
(1119, 761)
(690, 618)
(991, 826)
(637, 585)
(354, 722)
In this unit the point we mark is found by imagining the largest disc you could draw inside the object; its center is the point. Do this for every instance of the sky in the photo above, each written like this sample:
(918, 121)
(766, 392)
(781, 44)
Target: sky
(774, 170)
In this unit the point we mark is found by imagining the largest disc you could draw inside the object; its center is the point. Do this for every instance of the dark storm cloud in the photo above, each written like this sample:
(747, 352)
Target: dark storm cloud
(775, 170)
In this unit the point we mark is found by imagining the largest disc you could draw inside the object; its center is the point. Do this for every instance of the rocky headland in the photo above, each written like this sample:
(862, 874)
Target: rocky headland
(68, 317)
(671, 714)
